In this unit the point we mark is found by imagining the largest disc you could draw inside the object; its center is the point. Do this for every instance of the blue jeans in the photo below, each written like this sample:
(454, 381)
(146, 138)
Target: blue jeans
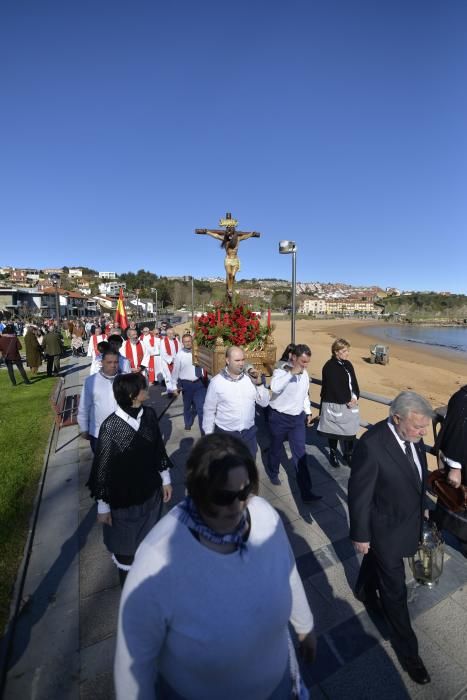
(194, 394)
(283, 426)
(248, 436)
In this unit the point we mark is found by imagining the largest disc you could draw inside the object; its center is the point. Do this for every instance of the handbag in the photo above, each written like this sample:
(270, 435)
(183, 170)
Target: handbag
(454, 499)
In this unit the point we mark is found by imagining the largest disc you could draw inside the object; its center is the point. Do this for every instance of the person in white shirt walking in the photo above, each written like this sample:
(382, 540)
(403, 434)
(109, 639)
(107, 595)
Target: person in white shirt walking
(192, 382)
(170, 346)
(290, 412)
(97, 398)
(230, 401)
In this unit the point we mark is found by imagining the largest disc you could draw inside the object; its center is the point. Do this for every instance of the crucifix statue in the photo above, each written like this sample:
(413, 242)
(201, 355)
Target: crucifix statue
(230, 240)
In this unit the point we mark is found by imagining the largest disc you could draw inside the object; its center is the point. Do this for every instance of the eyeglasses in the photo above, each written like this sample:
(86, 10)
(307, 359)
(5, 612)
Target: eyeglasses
(223, 497)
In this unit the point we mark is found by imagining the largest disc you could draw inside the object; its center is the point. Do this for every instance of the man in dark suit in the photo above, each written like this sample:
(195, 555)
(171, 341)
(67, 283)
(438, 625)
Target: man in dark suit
(386, 507)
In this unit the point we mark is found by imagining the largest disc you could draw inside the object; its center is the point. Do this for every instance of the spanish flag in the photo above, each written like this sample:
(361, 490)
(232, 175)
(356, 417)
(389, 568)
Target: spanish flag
(120, 313)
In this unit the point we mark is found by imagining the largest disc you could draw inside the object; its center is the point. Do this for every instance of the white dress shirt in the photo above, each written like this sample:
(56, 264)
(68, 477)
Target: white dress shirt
(401, 444)
(290, 392)
(184, 367)
(230, 403)
(96, 403)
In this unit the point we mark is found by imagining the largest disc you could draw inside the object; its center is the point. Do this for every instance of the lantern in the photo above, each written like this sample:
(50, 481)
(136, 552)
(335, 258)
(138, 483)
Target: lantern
(427, 563)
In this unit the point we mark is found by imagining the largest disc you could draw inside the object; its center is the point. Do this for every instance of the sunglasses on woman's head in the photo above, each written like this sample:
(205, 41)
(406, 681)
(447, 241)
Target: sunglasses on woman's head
(224, 497)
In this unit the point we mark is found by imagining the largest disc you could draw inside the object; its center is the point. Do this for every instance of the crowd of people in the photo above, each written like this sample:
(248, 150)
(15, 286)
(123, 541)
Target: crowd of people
(209, 590)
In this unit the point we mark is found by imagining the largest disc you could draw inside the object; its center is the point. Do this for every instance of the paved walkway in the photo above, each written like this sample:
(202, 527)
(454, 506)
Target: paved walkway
(65, 635)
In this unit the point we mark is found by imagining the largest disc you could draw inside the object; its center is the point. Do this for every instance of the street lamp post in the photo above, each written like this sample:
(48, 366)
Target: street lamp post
(192, 304)
(287, 248)
(55, 280)
(192, 279)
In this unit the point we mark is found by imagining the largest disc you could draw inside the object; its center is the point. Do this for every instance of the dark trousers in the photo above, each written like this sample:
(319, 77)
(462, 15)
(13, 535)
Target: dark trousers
(20, 368)
(53, 363)
(387, 574)
(194, 394)
(248, 436)
(283, 427)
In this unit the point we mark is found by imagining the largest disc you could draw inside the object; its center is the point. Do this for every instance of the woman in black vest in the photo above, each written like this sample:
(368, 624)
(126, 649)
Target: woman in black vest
(339, 416)
(130, 476)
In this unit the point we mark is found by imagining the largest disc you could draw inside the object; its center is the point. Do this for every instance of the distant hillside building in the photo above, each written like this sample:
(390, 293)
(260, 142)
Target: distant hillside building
(348, 307)
(313, 306)
(107, 275)
(111, 289)
(75, 272)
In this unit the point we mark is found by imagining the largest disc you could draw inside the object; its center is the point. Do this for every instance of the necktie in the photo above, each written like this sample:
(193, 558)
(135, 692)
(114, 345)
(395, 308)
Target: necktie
(410, 457)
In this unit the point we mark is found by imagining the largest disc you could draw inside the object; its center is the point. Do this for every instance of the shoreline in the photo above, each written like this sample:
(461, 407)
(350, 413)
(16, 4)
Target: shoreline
(436, 350)
(435, 375)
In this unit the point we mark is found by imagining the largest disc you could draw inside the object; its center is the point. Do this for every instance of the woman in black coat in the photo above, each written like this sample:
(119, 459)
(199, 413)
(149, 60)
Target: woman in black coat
(339, 417)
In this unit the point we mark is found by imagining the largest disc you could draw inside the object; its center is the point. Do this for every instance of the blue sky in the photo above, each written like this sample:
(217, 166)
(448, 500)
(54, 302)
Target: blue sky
(340, 124)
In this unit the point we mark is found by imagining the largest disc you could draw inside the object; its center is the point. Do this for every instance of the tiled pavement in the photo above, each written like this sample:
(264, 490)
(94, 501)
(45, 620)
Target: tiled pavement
(64, 641)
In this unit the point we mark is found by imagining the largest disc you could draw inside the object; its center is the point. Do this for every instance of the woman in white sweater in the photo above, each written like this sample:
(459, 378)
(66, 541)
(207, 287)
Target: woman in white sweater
(205, 610)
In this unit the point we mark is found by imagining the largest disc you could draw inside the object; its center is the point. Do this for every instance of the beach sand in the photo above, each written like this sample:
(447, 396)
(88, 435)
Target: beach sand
(434, 376)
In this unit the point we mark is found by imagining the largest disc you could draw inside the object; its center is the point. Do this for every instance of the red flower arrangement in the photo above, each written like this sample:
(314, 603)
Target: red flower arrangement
(236, 325)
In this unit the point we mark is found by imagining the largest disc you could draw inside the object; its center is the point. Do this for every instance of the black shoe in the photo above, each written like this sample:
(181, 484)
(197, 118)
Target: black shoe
(27, 383)
(416, 670)
(347, 459)
(310, 497)
(187, 427)
(333, 461)
(273, 478)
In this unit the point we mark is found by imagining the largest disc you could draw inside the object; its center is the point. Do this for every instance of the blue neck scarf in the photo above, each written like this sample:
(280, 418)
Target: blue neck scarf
(188, 514)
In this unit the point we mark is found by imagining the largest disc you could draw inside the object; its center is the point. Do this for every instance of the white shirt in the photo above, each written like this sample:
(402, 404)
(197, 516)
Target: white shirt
(96, 403)
(214, 625)
(450, 462)
(184, 367)
(290, 392)
(230, 403)
(401, 443)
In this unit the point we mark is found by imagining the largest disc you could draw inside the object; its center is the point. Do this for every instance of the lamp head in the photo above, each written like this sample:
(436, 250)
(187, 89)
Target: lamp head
(286, 247)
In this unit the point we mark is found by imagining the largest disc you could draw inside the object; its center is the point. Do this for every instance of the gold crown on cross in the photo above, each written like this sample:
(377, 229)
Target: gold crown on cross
(228, 221)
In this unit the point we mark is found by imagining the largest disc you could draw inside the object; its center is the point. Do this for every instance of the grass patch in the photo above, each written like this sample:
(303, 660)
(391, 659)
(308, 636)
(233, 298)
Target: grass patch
(25, 421)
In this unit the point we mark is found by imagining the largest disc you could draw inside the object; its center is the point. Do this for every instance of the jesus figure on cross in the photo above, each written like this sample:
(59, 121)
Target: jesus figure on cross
(230, 240)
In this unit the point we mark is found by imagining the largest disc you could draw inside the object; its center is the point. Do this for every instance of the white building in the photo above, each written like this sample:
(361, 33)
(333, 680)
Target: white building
(107, 275)
(313, 306)
(75, 272)
(111, 289)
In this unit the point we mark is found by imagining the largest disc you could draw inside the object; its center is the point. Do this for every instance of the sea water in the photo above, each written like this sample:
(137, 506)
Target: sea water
(447, 338)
